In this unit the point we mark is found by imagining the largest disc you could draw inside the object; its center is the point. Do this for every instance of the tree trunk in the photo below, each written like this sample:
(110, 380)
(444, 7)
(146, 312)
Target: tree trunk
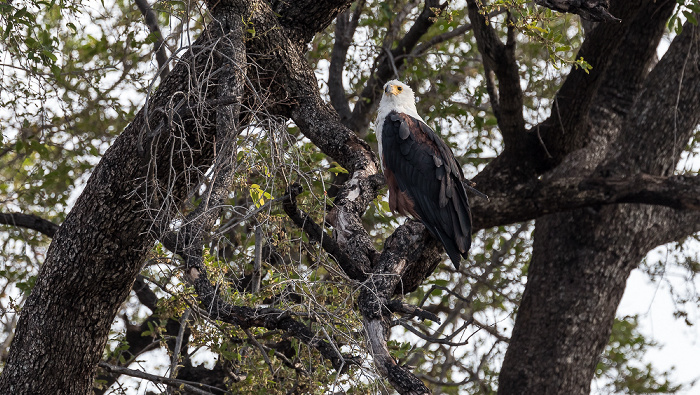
(576, 279)
(99, 249)
(581, 260)
(135, 191)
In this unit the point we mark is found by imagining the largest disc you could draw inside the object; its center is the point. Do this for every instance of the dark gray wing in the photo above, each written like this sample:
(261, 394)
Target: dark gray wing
(426, 170)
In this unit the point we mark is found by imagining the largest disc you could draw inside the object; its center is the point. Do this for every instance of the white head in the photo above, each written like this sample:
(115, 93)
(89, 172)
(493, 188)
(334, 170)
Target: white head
(399, 97)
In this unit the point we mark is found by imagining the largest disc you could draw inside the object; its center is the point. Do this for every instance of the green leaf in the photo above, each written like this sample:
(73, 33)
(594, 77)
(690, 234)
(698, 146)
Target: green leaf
(691, 17)
(338, 169)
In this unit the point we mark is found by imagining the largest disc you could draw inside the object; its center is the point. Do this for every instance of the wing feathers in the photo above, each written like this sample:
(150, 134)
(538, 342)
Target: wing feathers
(426, 172)
(404, 132)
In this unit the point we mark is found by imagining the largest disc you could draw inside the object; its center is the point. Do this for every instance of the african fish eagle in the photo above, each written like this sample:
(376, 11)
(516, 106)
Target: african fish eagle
(422, 174)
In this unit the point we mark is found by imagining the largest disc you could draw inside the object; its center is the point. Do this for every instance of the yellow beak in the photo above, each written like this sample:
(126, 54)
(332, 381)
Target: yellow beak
(391, 90)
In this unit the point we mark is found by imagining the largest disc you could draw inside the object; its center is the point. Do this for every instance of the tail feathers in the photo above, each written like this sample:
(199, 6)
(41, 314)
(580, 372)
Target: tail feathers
(451, 246)
(453, 250)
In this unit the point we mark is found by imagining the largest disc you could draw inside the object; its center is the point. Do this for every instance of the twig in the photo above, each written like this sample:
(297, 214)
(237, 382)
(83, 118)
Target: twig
(398, 306)
(432, 339)
(178, 343)
(175, 383)
(260, 347)
(303, 221)
(151, 20)
(255, 281)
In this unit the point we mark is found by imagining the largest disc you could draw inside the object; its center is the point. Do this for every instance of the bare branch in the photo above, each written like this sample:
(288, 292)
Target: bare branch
(257, 262)
(399, 306)
(159, 45)
(433, 339)
(345, 26)
(423, 47)
(178, 343)
(29, 221)
(193, 387)
(366, 102)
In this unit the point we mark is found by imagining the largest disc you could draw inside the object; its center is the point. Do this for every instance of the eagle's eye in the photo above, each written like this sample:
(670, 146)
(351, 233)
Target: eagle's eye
(400, 88)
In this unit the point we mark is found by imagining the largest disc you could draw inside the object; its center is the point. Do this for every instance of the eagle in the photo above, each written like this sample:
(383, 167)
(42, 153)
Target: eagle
(422, 174)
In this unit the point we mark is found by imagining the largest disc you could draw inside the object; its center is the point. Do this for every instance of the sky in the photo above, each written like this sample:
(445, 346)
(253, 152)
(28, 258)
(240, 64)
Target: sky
(652, 301)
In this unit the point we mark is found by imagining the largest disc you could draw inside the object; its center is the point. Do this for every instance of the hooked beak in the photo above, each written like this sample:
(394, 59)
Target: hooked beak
(391, 90)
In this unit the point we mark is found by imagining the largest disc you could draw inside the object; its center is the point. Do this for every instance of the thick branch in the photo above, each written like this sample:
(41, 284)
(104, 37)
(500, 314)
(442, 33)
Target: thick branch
(666, 113)
(145, 295)
(675, 225)
(499, 57)
(302, 19)
(345, 26)
(320, 124)
(618, 91)
(567, 129)
(593, 10)
(535, 199)
(409, 249)
(29, 221)
(561, 132)
(638, 49)
(423, 47)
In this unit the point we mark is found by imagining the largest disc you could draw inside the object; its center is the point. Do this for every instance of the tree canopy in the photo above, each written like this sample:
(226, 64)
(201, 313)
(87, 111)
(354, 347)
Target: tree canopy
(194, 186)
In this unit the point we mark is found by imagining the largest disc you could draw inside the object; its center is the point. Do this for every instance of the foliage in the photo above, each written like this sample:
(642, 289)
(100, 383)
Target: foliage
(71, 89)
(689, 9)
(619, 371)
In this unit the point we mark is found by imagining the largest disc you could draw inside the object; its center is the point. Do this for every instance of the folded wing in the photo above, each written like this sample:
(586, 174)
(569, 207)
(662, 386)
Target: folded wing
(426, 181)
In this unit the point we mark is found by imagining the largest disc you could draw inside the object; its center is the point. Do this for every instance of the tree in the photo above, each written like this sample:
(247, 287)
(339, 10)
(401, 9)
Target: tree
(187, 189)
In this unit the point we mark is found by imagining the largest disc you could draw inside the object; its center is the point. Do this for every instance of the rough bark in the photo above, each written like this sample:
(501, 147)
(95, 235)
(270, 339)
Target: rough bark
(95, 256)
(581, 260)
(594, 10)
